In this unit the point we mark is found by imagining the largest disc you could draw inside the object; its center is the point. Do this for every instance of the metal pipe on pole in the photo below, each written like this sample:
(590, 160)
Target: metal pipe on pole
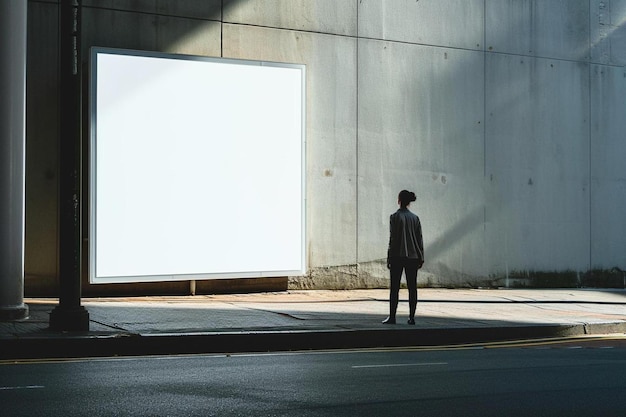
(13, 21)
(70, 315)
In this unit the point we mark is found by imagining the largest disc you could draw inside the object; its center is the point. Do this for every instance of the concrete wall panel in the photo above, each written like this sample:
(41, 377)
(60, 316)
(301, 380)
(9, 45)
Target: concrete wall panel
(608, 167)
(120, 29)
(331, 130)
(546, 28)
(324, 16)
(451, 23)
(608, 31)
(537, 154)
(198, 9)
(421, 128)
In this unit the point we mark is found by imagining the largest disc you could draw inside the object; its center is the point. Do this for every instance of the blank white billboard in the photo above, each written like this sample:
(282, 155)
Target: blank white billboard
(197, 167)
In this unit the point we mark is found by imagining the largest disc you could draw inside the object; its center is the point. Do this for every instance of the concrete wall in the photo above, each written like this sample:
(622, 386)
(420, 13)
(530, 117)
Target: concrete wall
(506, 117)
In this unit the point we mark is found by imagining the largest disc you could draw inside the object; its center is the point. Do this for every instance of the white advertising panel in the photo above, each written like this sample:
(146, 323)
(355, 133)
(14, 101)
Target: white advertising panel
(197, 167)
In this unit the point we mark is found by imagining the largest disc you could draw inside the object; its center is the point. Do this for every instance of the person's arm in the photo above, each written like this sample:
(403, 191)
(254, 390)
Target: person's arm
(390, 241)
(420, 241)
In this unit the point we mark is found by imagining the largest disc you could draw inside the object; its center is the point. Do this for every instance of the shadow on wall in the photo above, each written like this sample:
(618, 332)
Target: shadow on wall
(474, 219)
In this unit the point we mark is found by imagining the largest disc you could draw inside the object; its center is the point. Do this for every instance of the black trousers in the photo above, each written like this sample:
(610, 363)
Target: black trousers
(410, 268)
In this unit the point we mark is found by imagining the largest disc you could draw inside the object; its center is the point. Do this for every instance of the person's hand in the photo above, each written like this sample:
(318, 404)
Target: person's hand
(388, 264)
(420, 265)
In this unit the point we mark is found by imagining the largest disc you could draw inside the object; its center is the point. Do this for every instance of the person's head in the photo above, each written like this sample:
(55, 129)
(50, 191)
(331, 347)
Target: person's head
(405, 198)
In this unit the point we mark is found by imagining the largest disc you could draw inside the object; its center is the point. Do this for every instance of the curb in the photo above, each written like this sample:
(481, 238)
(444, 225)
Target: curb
(125, 344)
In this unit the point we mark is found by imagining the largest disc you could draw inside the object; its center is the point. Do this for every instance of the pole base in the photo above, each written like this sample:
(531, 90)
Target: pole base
(69, 319)
(14, 313)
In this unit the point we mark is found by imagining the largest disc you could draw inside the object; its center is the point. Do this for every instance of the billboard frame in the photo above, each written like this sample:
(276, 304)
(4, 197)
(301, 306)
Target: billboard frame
(95, 203)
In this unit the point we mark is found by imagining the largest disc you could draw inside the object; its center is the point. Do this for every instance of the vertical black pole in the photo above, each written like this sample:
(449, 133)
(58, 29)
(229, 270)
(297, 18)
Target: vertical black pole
(69, 315)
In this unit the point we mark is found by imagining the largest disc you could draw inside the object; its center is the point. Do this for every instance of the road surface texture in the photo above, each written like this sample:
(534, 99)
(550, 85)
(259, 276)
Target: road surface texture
(581, 377)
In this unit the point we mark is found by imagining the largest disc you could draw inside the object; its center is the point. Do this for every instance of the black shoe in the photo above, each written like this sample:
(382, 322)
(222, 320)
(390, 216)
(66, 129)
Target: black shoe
(389, 320)
(411, 321)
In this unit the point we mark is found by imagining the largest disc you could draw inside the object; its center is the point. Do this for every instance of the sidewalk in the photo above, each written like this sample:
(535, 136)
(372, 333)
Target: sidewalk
(312, 319)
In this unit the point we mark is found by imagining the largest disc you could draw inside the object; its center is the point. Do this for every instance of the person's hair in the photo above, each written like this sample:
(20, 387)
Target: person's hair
(406, 197)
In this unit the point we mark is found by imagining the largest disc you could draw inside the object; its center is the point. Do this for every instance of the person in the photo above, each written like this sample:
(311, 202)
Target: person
(405, 253)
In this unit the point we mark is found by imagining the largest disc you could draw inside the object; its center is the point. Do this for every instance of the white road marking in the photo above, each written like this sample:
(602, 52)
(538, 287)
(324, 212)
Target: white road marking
(24, 387)
(396, 365)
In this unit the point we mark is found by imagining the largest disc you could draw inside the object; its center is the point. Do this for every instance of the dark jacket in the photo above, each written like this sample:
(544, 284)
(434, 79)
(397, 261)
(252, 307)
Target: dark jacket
(405, 236)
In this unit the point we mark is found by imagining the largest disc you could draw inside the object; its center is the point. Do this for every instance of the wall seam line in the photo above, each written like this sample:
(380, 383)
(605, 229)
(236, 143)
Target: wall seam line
(589, 64)
(357, 142)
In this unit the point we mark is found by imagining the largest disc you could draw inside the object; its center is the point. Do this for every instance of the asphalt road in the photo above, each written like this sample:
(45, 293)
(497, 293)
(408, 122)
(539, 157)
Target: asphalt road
(528, 380)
